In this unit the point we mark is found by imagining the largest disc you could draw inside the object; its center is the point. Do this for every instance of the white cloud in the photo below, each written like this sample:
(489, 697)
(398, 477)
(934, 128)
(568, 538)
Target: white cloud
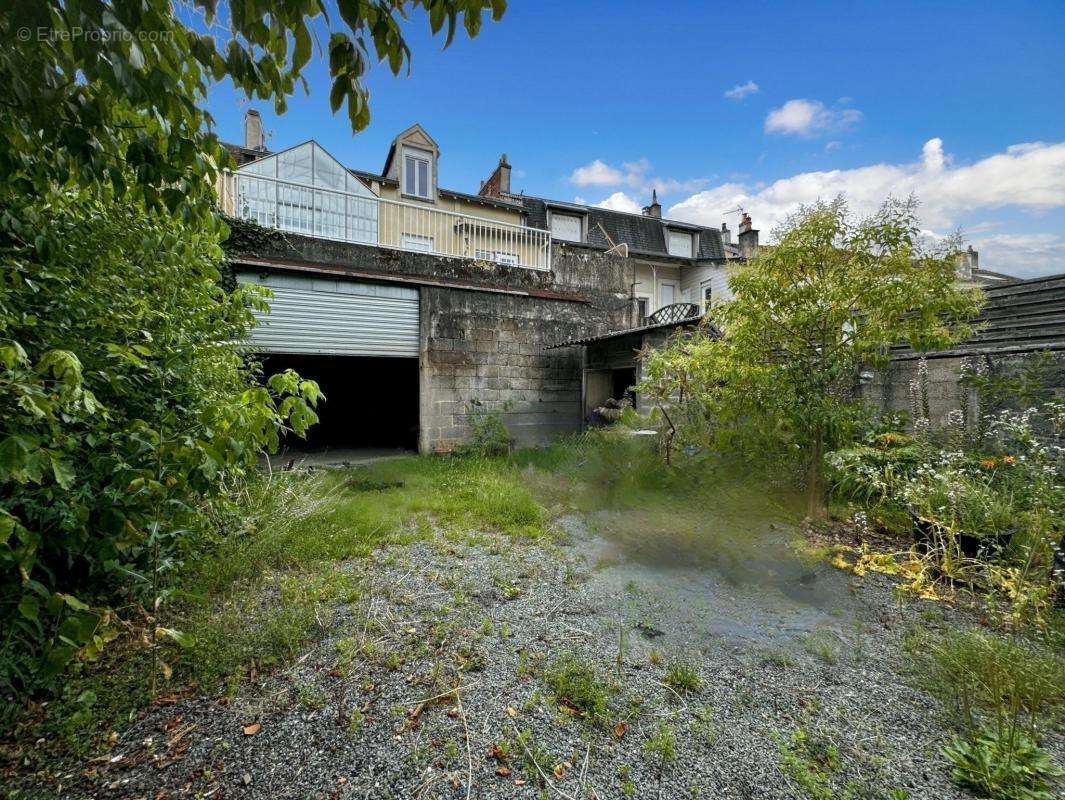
(741, 90)
(809, 118)
(1029, 176)
(1023, 255)
(619, 201)
(633, 174)
(596, 174)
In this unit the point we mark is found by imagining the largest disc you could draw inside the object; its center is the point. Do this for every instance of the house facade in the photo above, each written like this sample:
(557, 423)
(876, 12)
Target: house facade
(416, 306)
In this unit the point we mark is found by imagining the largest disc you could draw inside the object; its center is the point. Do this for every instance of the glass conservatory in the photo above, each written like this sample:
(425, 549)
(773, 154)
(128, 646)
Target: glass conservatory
(305, 190)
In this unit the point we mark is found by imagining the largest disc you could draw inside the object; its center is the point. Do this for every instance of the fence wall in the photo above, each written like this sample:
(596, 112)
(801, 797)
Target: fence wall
(1019, 322)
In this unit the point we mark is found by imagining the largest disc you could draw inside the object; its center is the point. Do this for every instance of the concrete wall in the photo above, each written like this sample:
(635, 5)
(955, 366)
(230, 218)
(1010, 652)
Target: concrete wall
(485, 340)
(889, 389)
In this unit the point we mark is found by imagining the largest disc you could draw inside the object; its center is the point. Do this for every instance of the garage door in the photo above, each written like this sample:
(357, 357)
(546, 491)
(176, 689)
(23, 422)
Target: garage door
(335, 317)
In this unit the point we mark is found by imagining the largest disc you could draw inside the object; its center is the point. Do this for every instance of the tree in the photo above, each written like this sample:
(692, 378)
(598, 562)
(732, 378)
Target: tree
(108, 90)
(127, 406)
(830, 298)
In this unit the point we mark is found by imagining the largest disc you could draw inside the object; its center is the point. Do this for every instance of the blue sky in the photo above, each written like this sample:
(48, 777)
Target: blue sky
(960, 102)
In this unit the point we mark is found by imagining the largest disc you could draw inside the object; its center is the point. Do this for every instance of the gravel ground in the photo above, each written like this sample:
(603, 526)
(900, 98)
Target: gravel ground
(369, 712)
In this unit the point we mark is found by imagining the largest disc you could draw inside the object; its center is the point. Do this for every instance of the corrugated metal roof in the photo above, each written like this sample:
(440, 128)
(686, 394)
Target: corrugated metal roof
(603, 337)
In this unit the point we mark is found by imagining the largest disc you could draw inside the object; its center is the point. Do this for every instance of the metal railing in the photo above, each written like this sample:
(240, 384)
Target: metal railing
(398, 225)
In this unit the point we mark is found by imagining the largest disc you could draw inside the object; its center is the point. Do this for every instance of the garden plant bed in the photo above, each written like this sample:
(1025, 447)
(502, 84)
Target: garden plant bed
(578, 664)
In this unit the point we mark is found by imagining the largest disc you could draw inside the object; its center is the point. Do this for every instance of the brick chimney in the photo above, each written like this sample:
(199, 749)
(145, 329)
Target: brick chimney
(748, 237)
(966, 262)
(655, 209)
(254, 138)
(726, 234)
(498, 183)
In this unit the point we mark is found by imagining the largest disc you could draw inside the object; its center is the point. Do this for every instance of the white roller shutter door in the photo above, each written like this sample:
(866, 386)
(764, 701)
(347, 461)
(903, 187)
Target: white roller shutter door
(335, 317)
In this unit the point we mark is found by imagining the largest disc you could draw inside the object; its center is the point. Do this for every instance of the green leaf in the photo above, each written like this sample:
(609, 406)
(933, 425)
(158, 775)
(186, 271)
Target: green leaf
(62, 471)
(29, 607)
(179, 637)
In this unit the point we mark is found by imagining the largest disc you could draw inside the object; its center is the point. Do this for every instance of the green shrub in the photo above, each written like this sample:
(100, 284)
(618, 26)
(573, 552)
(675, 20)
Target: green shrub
(1001, 766)
(128, 407)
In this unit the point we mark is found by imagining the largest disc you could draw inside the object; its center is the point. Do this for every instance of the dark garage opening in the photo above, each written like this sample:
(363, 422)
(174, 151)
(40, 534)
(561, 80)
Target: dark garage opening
(371, 401)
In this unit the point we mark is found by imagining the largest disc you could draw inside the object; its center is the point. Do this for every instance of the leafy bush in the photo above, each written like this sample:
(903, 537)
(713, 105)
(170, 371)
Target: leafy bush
(1002, 767)
(128, 407)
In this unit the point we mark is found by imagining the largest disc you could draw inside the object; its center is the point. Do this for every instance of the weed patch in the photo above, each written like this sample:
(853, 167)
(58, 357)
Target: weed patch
(577, 686)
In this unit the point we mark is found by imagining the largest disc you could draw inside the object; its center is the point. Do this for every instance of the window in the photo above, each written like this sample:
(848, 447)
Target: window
(667, 294)
(566, 227)
(500, 257)
(680, 244)
(641, 308)
(420, 244)
(305, 190)
(417, 165)
(707, 292)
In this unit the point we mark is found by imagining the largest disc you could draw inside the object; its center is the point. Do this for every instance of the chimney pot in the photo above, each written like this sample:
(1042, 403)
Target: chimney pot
(655, 209)
(254, 138)
(748, 237)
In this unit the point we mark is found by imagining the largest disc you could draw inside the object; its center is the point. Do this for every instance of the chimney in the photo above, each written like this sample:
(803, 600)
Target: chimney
(498, 183)
(655, 209)
(726, 234)
(748, 237)
(966, 263)
(254, 138)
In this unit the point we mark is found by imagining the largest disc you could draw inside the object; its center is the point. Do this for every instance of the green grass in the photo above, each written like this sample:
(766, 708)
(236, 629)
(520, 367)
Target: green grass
(577, 685)
(991, 679)
(269, 570)
(683, 678)
(810, 761)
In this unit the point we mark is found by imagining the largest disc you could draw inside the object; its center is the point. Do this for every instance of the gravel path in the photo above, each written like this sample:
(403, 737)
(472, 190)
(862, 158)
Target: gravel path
(369, 710)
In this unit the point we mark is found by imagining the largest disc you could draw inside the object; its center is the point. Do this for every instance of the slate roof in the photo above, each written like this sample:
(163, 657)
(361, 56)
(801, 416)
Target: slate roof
(644, 235)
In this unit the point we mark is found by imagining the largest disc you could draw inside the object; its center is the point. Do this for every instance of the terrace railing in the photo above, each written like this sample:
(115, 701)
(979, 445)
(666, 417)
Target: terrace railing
(367, 219)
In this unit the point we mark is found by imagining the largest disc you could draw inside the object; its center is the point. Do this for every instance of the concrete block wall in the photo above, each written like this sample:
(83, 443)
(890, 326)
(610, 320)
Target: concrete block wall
(889, 389)
(487, 340)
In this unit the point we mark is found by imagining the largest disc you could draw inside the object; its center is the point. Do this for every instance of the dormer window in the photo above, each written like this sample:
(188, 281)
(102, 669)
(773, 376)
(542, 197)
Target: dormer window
(680, 244)
(566, 227)
(417, 173)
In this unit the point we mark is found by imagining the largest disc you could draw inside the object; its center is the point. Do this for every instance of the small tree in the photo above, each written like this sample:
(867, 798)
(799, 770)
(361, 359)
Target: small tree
(831, 297)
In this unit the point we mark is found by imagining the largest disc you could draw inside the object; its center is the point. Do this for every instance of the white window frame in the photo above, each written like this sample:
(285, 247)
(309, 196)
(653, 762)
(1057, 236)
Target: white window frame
(422, 184)
(418, 244)
(704, 300)
(678, 237)
(580, 226)
(675, 286)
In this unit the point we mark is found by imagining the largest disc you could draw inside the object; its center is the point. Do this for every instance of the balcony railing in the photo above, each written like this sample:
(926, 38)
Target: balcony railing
(366, 219)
